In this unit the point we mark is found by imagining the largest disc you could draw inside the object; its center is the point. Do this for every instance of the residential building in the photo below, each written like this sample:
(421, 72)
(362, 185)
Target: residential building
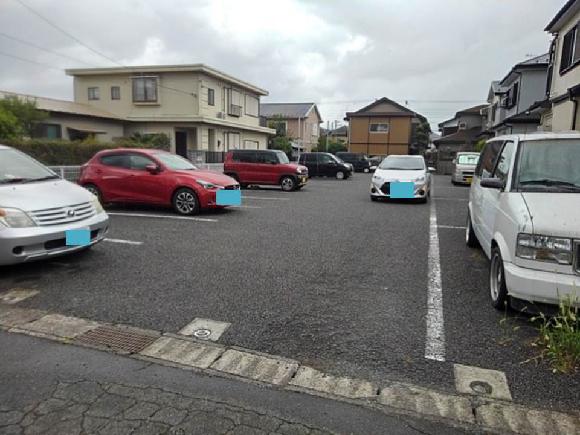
(381, 128)
(299, 121)
(511, 100)
(563, 84)
(72, 121)
(339, 135)
(459, 133)
(198, 107)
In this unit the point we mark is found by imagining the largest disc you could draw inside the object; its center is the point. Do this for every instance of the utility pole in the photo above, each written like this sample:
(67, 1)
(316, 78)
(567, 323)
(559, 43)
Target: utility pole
(327, 133)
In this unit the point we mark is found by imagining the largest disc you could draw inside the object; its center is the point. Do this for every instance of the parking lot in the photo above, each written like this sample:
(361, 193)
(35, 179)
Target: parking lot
(322, 275)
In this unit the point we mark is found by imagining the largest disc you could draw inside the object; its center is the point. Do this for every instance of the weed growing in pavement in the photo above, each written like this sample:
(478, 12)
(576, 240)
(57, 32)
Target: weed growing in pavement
(507, 328)
(559, 339)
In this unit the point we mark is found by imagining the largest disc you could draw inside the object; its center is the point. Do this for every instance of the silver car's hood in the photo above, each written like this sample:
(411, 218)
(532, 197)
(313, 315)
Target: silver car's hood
(554, 214)
(42, 195)
(399, 175)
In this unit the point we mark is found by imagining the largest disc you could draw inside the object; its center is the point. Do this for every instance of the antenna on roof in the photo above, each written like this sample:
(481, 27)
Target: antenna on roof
(530, 55)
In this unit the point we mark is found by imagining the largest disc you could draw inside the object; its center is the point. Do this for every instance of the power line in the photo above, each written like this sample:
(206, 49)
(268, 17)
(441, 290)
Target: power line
(38, 47)
(78, 41)
(45, 65)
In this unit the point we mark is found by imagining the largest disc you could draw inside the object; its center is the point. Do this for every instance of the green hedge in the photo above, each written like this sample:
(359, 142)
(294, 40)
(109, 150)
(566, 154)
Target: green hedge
(65, 153)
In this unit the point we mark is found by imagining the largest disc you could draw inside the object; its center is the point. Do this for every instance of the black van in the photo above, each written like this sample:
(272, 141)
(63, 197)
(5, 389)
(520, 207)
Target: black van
(325, 165)
(359, 161)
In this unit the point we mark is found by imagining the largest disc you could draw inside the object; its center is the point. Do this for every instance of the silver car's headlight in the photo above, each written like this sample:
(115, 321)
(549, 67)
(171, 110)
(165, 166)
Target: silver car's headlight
(15, 218)
(97, 204)
(420, 179)
(544, 248)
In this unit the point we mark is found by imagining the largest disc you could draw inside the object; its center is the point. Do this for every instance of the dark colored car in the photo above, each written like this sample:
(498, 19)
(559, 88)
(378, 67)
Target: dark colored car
(265, 167)
(153, 177)
(325, 165)
(359, 161)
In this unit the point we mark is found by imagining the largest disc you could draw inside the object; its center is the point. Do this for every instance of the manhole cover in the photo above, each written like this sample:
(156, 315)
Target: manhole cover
(202, 334)
(117, 339)
(481, 387)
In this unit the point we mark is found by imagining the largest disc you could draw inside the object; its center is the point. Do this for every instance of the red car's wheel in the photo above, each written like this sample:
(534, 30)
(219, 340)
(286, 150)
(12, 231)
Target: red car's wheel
(185, 201)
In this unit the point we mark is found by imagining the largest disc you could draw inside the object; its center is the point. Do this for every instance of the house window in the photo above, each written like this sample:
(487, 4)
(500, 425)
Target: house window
(252, 106)
(210, 97)
(93, 93)
(115, 92)
(570, 51)
(514, 95)
(145, 89)
(47, 131)
(234, 103)
(379, 127)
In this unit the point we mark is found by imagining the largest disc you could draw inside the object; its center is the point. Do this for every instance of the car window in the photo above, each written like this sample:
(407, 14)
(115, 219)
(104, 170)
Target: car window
(116, 160)
(324, 158)
(139, 162)
(267, 157)
(468, 159)
(308, 158)
(504, 162)
(488, 158)
(245, 157)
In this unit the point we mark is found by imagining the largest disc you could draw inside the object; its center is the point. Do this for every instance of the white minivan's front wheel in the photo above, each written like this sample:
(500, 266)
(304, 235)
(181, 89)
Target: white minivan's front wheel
(497, 286)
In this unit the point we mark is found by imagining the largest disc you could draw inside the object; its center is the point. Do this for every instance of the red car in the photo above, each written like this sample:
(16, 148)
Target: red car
(153, 177)
(265, 167)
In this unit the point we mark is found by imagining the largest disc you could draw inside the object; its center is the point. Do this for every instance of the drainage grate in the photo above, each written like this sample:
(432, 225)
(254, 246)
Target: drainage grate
(117, 339)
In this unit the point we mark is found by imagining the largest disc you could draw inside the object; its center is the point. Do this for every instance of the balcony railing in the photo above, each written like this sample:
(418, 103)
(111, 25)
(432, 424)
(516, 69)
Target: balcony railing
(234, 110)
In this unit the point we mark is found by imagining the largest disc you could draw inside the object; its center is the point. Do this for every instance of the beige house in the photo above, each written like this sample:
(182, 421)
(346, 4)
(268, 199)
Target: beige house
(73, 121)
(198, 107)
(564, 71)
(299, 121)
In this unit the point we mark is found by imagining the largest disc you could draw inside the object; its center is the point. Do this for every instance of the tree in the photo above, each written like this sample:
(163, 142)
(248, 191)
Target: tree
(25, 112)
(9, 125)
(420, 136)
(281, 143)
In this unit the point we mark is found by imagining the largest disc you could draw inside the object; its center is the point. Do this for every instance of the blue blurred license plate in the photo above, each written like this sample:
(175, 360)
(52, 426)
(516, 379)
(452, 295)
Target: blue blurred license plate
(228, 197)
(80, 237)
(402, 189)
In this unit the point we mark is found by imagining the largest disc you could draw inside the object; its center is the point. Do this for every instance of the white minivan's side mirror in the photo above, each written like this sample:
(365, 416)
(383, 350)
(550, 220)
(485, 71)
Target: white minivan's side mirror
(492, 183)
(431, 169)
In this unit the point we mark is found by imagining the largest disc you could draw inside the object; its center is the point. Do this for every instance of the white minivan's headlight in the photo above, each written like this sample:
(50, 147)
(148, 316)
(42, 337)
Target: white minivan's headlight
(544, 248)
(15, 218)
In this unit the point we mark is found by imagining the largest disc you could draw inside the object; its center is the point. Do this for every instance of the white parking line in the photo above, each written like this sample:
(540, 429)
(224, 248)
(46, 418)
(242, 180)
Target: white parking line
(125, 242)
(443, 198)
(435, 337)
(453, 227)
(273, 198)
(162, 216)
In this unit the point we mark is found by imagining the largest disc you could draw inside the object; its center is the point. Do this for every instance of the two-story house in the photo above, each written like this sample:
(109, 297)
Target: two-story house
(459, 133)
(299, 121)
(198, 107)
(512, 99)
(380, 129)
(563, 84)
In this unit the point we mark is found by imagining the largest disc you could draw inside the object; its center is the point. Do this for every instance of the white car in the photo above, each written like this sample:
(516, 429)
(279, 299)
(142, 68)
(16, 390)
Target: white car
(408, 170)
(524, 210)
(41, 214)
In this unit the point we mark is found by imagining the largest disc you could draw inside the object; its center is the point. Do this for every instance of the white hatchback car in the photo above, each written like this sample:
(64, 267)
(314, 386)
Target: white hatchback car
(397, 169)
(524, 210)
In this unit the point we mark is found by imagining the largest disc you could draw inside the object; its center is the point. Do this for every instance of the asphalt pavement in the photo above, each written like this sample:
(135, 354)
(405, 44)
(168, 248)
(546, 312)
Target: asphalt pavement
(322, 275)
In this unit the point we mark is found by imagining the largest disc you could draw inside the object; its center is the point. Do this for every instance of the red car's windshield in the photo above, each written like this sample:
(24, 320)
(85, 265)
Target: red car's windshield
(174, 162)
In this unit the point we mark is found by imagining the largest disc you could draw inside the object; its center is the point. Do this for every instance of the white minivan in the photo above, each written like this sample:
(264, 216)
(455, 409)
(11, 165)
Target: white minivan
(524, 210)
(42, 215)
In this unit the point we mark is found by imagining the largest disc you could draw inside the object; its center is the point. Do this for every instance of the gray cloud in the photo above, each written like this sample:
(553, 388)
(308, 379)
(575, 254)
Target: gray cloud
(339, 53)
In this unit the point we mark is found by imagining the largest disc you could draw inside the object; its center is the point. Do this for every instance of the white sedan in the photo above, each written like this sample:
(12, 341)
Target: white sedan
(401, 177)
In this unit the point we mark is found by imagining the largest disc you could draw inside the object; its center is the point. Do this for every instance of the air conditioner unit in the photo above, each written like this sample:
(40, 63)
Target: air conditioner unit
(221, 115)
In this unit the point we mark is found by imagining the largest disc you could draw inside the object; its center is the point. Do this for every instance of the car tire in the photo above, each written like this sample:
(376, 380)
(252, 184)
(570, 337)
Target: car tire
(185, 202)
(340, 175)
(288, 183)
(94, 190)
(470, 237)
(497, 286)
(374, 198)
(366, 170)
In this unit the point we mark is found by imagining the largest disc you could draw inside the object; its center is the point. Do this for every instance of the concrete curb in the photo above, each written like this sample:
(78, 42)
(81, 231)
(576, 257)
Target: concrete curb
(475, 412)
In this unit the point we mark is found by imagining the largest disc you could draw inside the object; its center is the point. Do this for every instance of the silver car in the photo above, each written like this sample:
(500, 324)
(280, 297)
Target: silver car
(463, 167)
(39, 211)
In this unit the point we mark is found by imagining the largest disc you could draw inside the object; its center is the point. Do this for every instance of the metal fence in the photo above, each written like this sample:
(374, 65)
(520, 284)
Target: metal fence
(70, 173)
(198, 157)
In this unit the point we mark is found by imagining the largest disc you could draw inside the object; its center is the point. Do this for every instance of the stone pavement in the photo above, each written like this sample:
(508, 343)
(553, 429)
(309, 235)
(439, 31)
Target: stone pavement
(87, 407)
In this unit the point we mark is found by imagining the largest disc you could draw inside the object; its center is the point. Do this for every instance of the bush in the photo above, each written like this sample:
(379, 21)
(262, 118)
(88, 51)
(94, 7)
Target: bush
(9, 125)
(69, 153)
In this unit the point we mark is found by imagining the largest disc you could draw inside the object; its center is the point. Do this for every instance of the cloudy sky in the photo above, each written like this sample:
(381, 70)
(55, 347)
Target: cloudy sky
(434, 56)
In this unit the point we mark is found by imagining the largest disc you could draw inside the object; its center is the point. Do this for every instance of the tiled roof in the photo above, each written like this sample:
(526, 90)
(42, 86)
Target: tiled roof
(285, 110)
(62, 106)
